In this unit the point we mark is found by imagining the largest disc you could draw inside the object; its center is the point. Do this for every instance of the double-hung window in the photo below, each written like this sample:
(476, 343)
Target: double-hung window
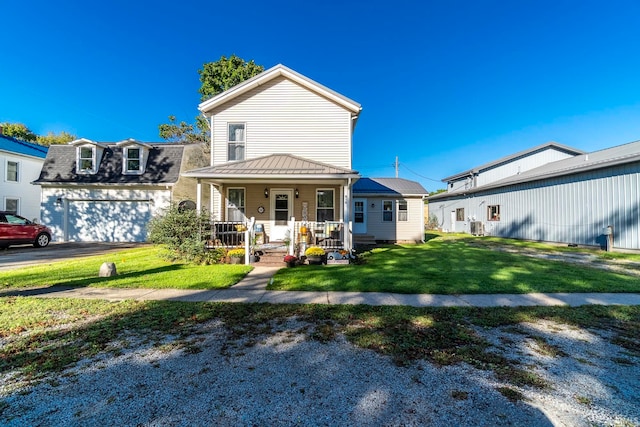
(132, 160)
(387, 210)
(325, 205)
(235, 204)
(12, 205)
(460, 214)
(86, 159)
(402, 210)
(236, 140)
(13, 169)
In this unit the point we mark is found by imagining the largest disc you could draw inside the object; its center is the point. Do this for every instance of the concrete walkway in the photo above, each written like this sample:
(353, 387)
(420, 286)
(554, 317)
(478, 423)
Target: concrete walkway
(253, 289)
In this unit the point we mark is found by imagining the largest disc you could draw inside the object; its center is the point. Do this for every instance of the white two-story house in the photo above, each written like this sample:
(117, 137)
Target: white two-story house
(20, 163)
(281, 149)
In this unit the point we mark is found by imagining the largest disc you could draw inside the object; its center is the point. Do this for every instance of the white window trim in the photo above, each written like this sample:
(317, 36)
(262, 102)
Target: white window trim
(12, 198)
(244, 201)
(406, 211)
(94, 156)
(383, 210)
(244, 142)
(6, 171)
(333, 206)
(126, 158)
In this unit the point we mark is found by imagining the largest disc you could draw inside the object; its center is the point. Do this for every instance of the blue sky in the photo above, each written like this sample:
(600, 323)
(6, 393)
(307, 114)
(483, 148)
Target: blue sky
(444, 85)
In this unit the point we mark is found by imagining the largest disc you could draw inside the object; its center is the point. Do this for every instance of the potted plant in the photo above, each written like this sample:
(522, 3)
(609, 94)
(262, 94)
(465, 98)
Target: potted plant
(236, 256)
(314, 255)
(290, 260)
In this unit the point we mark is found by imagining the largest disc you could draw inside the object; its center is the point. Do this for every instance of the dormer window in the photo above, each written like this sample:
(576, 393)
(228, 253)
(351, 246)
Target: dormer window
(88, 155)
(132, 159)
(134, 156)
(86, 159)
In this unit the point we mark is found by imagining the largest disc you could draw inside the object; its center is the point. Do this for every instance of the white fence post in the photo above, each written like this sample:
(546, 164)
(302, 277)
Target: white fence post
(248, 235)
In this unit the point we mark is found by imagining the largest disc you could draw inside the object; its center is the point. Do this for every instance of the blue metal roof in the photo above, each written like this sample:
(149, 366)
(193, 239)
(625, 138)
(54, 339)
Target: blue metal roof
(16, 146)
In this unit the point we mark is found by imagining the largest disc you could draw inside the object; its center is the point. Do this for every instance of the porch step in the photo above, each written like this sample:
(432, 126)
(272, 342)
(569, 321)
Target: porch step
(272, 257)
(364, 240)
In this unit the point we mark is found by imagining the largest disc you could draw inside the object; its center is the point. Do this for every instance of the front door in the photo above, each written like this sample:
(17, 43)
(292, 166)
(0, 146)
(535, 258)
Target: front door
(359, 216)
(281, 212)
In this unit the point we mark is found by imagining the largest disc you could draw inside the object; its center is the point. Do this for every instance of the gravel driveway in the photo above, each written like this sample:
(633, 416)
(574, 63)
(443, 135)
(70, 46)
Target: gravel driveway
(285, 378)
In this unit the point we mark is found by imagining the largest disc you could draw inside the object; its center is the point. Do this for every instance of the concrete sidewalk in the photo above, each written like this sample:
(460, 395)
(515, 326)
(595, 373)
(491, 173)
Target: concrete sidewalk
(253, 289)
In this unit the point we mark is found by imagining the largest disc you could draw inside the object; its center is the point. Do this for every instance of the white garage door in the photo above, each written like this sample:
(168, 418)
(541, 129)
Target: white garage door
(107, 221)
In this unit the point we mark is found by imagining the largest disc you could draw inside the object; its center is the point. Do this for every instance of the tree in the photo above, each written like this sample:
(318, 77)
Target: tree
(53, 138)
(18, 131)
(215, 78)
(23, 133)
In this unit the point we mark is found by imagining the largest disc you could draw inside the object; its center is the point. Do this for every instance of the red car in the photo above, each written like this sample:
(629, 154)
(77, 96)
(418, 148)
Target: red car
(16, 230)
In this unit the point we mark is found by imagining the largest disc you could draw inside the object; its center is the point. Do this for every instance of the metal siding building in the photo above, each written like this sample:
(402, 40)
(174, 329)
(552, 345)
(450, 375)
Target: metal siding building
(569, 201)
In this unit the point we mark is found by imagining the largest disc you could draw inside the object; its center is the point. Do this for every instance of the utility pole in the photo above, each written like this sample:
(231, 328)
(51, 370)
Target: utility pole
(396, 166)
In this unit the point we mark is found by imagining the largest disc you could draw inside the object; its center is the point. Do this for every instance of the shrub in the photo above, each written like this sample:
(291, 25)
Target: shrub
(290, 258)
(183, 233)
(236, 253)
(314, 251)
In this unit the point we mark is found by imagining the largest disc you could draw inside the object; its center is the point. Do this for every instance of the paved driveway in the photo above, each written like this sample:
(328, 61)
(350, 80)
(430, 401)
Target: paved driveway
(20, 256)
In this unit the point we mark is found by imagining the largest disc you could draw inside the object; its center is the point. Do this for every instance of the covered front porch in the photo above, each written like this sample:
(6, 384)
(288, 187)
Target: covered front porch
(278, 199)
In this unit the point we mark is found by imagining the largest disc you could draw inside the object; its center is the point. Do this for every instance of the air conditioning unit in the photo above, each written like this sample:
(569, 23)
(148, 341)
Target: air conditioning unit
(477, 228)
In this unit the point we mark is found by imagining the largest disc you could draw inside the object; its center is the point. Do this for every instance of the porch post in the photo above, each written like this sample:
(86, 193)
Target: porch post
(346, 189)
(198, 195)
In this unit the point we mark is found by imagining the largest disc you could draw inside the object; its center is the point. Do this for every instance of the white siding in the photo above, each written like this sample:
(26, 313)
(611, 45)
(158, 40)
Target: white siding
(396, 231)
(283, 117)
(84, 214)
(27, 193)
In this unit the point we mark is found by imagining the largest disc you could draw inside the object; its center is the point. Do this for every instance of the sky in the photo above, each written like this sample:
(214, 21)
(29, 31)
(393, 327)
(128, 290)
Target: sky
(444, 85)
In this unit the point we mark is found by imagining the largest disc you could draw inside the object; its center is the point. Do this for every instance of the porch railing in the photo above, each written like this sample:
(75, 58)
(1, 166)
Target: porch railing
(233, 234)
(327, 234)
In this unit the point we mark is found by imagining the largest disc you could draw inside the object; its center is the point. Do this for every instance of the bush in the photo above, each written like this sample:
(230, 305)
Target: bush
(183, 233)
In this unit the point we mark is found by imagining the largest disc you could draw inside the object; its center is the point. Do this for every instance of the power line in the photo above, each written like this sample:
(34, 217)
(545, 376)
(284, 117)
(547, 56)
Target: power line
(421, 176)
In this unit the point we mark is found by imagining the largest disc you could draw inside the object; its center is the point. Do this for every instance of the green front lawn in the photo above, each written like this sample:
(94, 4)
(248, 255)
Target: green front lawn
(137, 268)
(455, 265)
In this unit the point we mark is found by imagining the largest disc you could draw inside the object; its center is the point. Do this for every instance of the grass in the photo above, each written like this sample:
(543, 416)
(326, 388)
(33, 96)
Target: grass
(457, 265)
(42, 336)
(137, 268)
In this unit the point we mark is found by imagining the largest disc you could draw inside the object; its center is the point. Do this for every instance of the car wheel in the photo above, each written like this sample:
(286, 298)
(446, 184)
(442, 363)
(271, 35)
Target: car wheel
(42, 240)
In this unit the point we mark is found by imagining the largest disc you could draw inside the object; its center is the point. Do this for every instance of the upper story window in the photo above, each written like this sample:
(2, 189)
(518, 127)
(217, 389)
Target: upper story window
(13, 169)
(86, 159)
(236, 140)
(387, 210)
(133, 160)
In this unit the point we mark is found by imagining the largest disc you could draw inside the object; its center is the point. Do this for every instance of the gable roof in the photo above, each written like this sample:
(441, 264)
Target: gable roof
(621, 154)
(272, 73)
(273, 166)
(162, 167)
(388, 187)
(520, 154)
(15, 146)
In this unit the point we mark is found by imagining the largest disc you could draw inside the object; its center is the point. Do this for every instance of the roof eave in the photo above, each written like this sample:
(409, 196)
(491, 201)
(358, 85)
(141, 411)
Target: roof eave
(274, 72)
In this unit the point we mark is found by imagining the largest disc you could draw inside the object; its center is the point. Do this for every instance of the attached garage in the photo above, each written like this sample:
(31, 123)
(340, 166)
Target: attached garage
(107, 220)
(108, 192)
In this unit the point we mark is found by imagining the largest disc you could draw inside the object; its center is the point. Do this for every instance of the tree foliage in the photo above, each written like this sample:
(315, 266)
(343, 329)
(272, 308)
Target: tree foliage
(18, 131)
(225, 73)
(215, 78)
(23, 133)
